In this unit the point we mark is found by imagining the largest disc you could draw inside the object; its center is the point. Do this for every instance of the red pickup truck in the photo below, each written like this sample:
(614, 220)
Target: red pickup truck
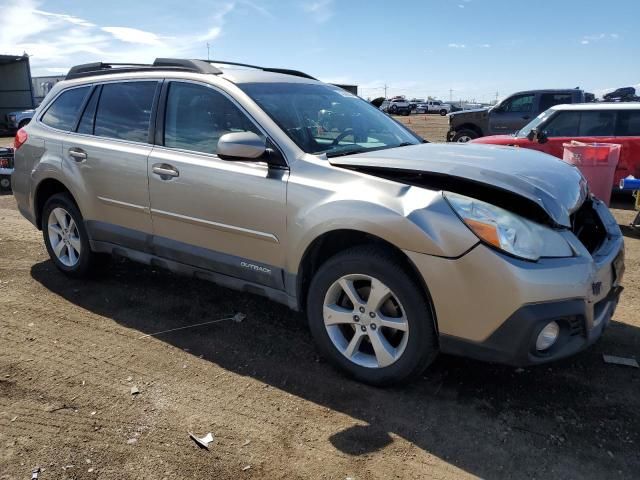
(590, 122)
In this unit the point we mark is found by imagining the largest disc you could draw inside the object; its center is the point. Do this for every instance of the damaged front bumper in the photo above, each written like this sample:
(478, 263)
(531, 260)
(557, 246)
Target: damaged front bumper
(492, 307)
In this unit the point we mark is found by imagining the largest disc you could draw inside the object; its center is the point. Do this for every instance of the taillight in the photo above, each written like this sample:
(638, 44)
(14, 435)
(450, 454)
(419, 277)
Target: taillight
(21, 137)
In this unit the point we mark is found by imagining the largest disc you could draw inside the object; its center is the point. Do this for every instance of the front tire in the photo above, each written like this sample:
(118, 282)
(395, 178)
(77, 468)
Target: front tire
(464, 136)
(443, 112)
(370, 318)
(65, 236)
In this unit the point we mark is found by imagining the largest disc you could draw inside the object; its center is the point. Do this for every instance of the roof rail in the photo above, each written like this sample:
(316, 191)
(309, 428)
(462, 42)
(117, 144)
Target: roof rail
(284, 71)
(175, 64)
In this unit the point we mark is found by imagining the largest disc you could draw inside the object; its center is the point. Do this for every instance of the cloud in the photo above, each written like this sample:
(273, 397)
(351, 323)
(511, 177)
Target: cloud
(55, 41)
(587, 39)
(133, 35)
(66, 18)
(460, 5)
(485, 45)
(457, 45)
(320, 10)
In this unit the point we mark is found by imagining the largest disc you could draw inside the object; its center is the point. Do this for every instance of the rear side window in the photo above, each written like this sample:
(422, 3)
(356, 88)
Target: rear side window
(124, 110)
(196, 117)
(548, 100)
(597, 124)
(628, 123)
(63, 113)
(564, 124)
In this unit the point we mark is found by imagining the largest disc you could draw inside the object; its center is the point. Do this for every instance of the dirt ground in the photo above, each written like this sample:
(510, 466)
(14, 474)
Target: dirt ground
(430, 127)
(71, 350)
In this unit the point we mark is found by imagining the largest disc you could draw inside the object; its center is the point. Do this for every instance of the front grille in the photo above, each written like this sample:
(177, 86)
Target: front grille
(587, 226)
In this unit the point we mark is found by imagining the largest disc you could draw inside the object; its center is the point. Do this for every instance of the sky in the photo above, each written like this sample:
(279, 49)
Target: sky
(447, 49)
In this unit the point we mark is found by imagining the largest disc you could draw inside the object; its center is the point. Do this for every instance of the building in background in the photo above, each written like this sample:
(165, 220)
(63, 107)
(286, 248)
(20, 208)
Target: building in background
(43, 85)
(16, 91)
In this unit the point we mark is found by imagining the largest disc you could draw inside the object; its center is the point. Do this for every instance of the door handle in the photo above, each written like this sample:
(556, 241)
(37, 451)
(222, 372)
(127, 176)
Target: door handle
(78, 154)
(165, 171)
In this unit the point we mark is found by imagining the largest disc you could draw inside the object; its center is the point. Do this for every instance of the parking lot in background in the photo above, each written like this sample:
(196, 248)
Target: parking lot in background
(71, 351)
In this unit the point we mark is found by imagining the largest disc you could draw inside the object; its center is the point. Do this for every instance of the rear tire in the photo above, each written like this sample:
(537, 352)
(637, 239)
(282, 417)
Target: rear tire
(443, 112)
(65, 236)
(464, 135)
(385, 345)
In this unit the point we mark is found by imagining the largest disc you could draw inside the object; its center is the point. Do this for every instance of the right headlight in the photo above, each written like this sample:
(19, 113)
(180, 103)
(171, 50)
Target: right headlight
(507, 231)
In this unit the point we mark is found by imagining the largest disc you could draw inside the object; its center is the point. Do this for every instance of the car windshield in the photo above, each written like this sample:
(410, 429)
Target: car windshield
(322, 118)
(533, 124)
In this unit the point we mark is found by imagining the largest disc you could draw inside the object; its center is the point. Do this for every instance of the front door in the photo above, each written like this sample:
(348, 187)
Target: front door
(512, 114)
(225, 216)
(106, 158)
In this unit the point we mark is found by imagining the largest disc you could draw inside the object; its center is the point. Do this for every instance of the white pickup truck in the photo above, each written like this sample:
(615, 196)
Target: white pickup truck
(433, 106)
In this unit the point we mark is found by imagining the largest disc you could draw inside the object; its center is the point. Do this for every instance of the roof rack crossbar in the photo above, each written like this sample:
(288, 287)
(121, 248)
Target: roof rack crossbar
(176, 64)
(284, 71)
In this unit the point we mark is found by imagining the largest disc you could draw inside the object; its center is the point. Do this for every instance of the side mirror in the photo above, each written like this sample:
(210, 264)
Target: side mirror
(241, 146)
(536, 135)
(542, 136)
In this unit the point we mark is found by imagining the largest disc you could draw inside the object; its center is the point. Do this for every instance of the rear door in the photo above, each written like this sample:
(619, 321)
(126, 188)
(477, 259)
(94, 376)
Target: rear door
(513, 114)
(225, 216)
(628, 135)
(106, 159)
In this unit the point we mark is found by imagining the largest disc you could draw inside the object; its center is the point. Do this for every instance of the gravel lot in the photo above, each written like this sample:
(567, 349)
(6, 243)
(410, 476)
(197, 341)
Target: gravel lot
(70, 352)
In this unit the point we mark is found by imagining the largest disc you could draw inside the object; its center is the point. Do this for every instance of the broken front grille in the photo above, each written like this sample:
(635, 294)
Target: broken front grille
(587, 226)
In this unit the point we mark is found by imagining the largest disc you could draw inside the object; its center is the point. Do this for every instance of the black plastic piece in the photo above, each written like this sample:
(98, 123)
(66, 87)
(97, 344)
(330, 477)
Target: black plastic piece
(513, 342)
(284, 71)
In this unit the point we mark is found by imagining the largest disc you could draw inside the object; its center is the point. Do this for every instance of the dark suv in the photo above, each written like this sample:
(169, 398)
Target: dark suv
(510, 115)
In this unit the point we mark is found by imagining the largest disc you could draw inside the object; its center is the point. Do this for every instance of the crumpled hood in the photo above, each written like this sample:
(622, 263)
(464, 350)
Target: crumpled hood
(556, 187)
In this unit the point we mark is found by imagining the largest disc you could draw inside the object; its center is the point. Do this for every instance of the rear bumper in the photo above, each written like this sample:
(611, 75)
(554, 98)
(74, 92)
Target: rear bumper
(514, 342)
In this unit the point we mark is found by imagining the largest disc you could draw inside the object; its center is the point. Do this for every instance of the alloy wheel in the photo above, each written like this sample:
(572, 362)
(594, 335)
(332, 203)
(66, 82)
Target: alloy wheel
(365, 321)
(64, 237)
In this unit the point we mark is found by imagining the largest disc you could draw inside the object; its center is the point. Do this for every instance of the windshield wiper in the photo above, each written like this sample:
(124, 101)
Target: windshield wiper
(349, 151)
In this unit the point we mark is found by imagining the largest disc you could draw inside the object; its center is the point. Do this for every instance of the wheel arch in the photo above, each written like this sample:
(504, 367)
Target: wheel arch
(332, 242)
(472, 127)
(45, 189)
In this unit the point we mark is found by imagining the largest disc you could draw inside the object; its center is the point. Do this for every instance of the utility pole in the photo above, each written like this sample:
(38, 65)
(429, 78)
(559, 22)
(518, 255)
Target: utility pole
(497, 95)
(208, 57)
(385, 91)
(450, 95)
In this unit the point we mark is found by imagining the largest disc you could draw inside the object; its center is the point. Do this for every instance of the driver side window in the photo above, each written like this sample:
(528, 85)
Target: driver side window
(563, 124)
(521, 103)
(197, 116)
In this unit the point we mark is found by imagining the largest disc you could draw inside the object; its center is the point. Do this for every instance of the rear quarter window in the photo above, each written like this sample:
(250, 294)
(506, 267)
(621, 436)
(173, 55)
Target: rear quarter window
(628, 123)
(63, 112)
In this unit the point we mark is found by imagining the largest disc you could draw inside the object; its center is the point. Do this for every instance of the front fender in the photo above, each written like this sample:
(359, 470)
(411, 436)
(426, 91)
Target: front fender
(419, 220)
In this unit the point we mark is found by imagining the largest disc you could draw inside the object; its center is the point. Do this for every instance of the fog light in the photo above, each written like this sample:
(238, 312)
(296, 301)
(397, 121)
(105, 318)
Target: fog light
(547, 336)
